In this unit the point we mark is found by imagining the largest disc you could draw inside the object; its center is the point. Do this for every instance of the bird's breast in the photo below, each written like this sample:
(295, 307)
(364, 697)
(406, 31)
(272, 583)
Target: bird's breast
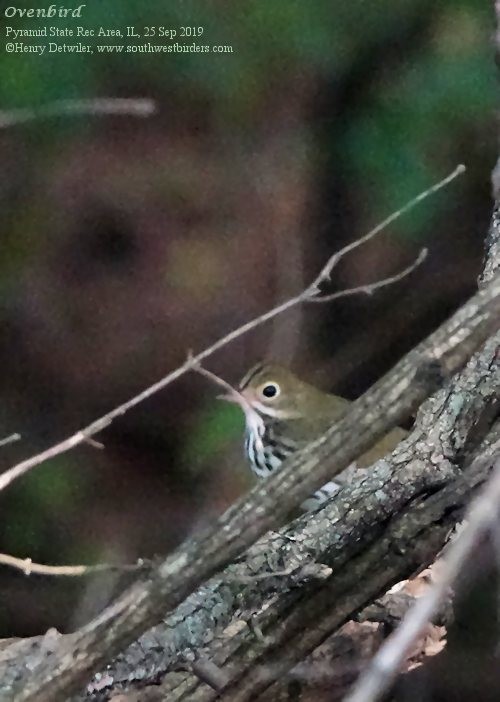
(266, 453)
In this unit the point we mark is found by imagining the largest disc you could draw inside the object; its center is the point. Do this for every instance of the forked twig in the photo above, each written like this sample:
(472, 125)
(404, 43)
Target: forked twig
(327, 269)
(370, 288)
(310, 293)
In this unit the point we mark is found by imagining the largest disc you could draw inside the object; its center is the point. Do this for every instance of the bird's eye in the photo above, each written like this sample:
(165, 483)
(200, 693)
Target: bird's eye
(271, 390)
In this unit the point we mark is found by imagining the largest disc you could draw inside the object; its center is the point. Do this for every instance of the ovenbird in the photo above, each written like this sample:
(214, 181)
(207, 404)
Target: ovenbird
(283, 414)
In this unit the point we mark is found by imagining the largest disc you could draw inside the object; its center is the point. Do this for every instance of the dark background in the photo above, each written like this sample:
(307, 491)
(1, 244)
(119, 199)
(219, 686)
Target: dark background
(125, 242)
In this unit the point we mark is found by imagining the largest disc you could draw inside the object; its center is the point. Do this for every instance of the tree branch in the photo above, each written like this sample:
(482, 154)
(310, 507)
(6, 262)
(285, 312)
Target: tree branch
(338, 660)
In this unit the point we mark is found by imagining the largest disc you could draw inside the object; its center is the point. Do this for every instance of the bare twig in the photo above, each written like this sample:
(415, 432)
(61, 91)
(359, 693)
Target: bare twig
(193, 362)
(482, 516)
(10, 439)
(370, 288)
(28, 567)
(327, 269)
(95, 444)
(134, 107)
(230, 390)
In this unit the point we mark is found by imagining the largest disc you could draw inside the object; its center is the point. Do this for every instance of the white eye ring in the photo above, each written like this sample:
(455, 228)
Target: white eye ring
(270, 390)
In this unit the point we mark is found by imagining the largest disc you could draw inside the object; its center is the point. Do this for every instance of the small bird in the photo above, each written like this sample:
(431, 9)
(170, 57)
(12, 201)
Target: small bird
(283, 414)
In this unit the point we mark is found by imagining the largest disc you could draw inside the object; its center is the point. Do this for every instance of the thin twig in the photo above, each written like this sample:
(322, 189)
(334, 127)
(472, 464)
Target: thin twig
(232, 392)
(28, 567)
(370, 288)
(193, 362)
(10, 439)
(482, 516)
(134, 107)
(327, 269)
(95, 444)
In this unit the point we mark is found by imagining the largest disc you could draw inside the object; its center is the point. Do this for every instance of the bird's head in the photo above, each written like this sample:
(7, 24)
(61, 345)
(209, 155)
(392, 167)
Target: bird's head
(271, 391)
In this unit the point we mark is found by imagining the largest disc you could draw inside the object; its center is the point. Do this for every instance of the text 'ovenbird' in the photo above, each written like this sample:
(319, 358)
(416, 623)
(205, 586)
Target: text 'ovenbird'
(283, 414)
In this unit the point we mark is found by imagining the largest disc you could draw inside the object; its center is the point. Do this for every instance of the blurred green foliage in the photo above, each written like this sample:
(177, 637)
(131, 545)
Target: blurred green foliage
(214, 427)
(417, 119)
(413, 114)
(47, 498)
